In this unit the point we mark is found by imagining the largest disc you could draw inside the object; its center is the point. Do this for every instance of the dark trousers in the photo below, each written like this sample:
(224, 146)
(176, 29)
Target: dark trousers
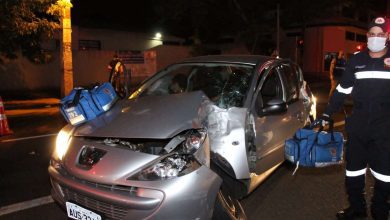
(368, 148)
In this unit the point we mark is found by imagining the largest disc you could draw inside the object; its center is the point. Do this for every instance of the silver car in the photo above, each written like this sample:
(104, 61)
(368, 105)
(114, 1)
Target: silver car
(187, 144)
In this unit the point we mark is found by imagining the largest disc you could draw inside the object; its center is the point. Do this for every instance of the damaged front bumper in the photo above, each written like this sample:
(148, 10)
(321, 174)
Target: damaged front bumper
(191, 196)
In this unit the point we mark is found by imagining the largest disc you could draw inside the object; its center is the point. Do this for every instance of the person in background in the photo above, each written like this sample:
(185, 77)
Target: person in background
(113, 66)
(367, 80)
(337, 68)
(179, 84)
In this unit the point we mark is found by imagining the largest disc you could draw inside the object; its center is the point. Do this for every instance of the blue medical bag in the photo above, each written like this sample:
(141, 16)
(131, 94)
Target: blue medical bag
(311, 148)
(82, 104)
(104, 96)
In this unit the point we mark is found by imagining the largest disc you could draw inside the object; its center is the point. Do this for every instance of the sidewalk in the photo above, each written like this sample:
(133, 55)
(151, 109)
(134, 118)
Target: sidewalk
(17, 108)
(34, 117)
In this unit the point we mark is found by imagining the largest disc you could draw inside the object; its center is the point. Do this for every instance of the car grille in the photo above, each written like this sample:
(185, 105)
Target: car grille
(109, 211)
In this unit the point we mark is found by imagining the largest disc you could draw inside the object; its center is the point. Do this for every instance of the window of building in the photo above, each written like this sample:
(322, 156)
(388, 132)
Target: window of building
(89, 45)
(349, 35)
(361, 38)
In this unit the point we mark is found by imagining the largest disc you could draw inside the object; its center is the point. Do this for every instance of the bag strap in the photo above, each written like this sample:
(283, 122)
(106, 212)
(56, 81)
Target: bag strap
(76, 98)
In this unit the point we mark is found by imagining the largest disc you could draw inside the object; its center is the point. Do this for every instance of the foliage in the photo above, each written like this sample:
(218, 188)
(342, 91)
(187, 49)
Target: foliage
(24, 24)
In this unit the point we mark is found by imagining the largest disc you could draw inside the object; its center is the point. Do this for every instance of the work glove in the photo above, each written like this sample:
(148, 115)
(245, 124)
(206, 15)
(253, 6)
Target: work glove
(323, 120)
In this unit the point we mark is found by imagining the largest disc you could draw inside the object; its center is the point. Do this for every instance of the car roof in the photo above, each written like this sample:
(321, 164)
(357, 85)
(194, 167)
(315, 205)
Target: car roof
(242, 59)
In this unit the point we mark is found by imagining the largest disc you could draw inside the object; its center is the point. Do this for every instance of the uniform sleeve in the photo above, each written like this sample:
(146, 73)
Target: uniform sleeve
(343, 89)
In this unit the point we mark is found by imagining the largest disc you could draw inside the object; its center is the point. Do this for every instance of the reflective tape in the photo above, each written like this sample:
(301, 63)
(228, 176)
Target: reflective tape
(356, 173)
(372, 75)
(342, 90)
(381, 177)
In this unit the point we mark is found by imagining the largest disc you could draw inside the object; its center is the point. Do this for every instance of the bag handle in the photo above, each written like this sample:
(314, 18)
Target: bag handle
(76, 98)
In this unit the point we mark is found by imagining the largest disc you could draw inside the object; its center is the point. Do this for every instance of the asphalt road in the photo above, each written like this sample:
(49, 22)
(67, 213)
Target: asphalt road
(311, 194)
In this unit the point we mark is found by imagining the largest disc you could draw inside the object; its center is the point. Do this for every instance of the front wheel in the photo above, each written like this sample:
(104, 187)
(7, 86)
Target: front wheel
(227, 207)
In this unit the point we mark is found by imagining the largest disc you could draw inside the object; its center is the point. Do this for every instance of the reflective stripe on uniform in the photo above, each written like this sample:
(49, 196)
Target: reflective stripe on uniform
(381, 177)
(372, 75)
(356, 173)
(342, 90)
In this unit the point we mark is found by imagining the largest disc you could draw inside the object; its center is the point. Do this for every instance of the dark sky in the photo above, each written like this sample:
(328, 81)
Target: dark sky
(130, 15)
(134, 15)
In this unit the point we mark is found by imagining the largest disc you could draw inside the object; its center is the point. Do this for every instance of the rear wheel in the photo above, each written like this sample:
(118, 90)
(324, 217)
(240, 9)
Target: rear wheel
(227, 207)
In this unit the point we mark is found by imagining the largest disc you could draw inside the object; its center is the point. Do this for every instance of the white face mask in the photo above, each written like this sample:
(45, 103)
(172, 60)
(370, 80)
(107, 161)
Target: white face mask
(376, 44)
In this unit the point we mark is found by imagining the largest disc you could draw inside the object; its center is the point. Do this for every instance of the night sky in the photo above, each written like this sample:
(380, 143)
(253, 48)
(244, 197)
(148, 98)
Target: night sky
(141, 16)
(128, 15)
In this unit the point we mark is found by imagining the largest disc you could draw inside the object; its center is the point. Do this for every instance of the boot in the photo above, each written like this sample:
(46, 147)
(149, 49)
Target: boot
(350, 214)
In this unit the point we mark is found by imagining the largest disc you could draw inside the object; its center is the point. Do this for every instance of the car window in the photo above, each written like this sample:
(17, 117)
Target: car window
(271, 88)
(225, 84)
(298, 72)
(291, 80)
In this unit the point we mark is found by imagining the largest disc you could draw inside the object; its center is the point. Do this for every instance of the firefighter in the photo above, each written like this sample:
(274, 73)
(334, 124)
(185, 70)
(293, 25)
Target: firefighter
(367, 80)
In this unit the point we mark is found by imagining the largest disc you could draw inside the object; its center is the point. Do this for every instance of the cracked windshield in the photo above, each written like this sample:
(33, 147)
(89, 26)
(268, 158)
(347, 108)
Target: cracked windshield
(225, 84)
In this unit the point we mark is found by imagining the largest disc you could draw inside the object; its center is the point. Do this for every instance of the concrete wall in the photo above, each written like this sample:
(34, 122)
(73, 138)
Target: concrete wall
(21, 74)
(167, 55)
(115, 40)
(89, 67)
(320, 41)
(312, 56)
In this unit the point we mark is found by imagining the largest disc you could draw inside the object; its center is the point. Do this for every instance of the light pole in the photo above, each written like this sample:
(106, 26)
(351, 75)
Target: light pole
(66, 49)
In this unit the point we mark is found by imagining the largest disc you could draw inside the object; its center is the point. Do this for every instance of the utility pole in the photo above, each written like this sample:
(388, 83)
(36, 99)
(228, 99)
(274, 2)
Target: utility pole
(66, 49)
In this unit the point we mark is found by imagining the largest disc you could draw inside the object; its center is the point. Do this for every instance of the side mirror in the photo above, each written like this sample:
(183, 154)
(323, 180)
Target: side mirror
(274, 106)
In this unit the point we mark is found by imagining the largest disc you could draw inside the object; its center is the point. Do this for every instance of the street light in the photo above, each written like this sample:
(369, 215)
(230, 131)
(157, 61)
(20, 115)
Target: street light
(158, 36)
(66, 48)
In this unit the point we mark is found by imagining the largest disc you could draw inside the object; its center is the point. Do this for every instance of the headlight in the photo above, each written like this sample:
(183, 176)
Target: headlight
(177, 163)
(170, 166)
(62, 143)
(193, 140)
(313, 108)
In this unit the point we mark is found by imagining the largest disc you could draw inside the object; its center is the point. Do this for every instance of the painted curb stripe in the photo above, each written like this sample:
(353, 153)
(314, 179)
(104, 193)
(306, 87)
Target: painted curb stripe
(27, 138)
(25, 205)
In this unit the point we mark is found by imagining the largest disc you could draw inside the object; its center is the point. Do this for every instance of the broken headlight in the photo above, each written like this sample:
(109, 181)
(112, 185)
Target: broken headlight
(178, 163)
(173, 165)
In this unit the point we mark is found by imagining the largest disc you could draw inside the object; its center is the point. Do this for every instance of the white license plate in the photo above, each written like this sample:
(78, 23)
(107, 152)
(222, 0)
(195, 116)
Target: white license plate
(80, 213)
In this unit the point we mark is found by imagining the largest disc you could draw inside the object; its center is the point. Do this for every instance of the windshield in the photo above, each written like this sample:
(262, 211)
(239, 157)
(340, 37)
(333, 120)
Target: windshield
(225, 84)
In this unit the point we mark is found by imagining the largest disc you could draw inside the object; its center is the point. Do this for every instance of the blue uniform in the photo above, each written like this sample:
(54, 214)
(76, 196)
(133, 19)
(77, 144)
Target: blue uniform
(367, 81)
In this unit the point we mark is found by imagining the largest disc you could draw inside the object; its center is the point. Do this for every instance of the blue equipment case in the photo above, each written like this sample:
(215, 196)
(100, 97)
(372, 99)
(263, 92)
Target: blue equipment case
(82, 105)
(310, 148)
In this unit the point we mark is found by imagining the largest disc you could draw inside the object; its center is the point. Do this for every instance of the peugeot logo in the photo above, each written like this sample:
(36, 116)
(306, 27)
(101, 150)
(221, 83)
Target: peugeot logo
(90, 155)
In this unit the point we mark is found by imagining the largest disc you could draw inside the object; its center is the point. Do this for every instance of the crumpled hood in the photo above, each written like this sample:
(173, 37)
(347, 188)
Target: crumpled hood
(155, 117)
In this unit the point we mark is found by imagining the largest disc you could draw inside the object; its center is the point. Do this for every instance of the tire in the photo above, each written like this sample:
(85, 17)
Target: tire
(227, 207)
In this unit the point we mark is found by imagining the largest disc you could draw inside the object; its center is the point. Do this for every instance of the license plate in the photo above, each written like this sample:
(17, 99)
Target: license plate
(80, 213)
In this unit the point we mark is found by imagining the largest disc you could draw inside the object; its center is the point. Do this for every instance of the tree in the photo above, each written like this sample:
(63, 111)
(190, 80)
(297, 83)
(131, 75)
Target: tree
(23, 26)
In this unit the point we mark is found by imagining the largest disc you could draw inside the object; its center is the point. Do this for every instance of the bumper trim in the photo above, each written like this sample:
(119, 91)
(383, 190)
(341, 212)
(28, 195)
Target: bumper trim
(133, 202)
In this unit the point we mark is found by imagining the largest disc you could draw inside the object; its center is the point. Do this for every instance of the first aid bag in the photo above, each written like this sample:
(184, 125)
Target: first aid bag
(315, 148)
(84, 104)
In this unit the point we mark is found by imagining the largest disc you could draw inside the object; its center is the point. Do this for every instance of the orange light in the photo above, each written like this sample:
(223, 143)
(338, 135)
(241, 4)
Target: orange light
(359, 47)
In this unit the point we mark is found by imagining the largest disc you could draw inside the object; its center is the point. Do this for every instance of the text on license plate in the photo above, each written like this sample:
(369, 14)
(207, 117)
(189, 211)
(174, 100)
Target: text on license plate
(76, 212)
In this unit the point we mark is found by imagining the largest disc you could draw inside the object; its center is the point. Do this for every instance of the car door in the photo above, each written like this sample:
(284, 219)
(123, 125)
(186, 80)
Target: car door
(272, 129)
